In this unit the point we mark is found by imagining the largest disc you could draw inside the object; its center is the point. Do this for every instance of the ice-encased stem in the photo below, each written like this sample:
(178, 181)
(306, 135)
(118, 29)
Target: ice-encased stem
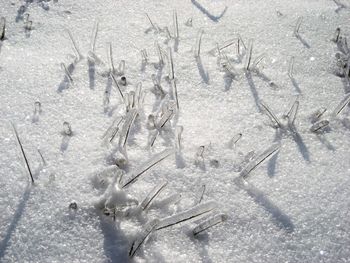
(148, 165)
(293, 113)
(75, 47)
(146, 203)
(119, 89)
(94, 36)
(297, 26)
(2, 28)
(171, 64)
(176, 25)
(345, 101)
(270, 114)
(23, 153)
(253, 164)
(146, 231)
(110, 57)
(129, 120)
(318, 126)
(198, 43)
(192, 213)
(210, 222)
(249, 55)
(291, 67)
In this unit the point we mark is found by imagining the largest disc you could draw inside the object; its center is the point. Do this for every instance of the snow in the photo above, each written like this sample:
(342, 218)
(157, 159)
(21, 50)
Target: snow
(294, 206)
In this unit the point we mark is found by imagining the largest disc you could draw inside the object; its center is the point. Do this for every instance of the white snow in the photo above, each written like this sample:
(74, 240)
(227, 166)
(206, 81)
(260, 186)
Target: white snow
(295, 206)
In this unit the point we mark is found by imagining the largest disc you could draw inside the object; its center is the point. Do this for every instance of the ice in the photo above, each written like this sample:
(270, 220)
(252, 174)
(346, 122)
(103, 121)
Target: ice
(296, 210)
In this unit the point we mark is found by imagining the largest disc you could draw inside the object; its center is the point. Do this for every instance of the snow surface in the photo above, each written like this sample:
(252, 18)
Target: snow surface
(296, 205)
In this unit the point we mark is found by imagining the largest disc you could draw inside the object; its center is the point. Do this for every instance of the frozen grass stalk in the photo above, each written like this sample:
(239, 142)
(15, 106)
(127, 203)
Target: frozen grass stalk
(23, 153)
(235, 139)
(173, 85)
(197, 51)
(213, 221)
(341, 106)
(192, 213)
(203, 187)
(68, 75)
(291, 67)
(94, 36)
(253, 164)
(271, 115)
(119, 90)
(297, 27)
(336, 35)
(159, 53)
(75, 47)
(150, 21)
(146, 203)
(319, 126)
(171, 64)
(178, 134)
(147, 230)
(110, 58)
(129, 120)
(144, 55)
(2, 28)
(148, 165)
(291, 115)
(249, 55)
(176, 25)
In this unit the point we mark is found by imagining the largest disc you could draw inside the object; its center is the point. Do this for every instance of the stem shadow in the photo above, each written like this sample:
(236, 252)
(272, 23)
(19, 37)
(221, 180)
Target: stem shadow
(206, 12)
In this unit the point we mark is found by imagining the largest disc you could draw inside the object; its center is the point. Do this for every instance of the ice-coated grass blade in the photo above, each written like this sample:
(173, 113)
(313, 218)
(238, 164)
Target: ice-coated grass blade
(253, 164)
(197, 50)
(176, 25)
(94, 36)
(42, 157)
(213, 221)
(68, 75)
(178, 134)
(291, 67)
(168, 114)
(115, 131)
(291, 115)
(202, 193)
(319, 126)
(297, 26)
(218, 48)
(23, 153)
(192, 213)
(75, 47)
(147, 230)
(129, 120)
(318, 114)
(336, 35)
(148, 165)
(258, 60)
(110, 57)
(150, 21)
(146, 203)
(174, 87)
(341, 106)
(111, 126)
(235, 139)
(2, 28)
(171, 64)
(249, 55)
(271, 115)
(118, 87)
(159, 53)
